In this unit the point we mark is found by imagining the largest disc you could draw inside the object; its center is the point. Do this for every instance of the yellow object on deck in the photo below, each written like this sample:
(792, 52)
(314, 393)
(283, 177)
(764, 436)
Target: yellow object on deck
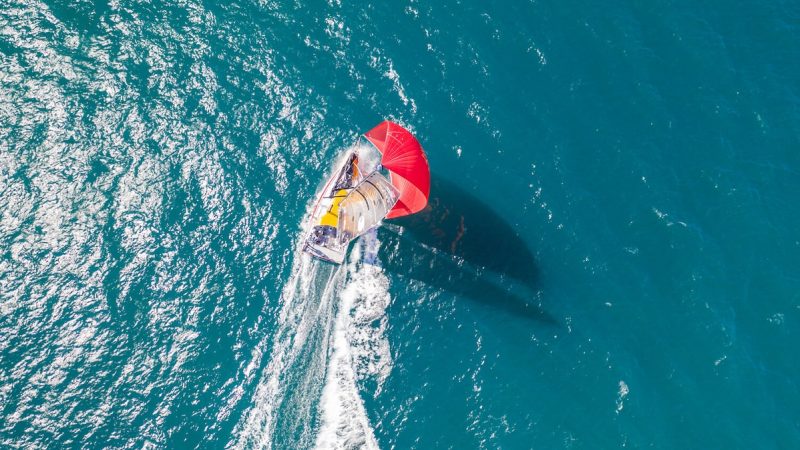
(332, 216)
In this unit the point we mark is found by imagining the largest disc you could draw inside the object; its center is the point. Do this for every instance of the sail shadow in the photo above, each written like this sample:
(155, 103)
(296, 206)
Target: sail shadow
(459, 244)
(457, 223)
(457, 276)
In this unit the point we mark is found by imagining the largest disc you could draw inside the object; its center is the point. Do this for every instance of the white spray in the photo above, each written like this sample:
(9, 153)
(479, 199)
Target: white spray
(359, 350)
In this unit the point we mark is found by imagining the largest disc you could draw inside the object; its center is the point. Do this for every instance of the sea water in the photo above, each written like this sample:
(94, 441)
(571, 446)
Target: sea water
(611, 257)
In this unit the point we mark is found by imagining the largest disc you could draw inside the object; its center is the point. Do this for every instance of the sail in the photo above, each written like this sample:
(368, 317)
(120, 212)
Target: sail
(365, 206)
(403, 157)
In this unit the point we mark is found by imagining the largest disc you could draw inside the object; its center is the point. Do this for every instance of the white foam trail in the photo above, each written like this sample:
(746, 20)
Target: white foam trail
(359, 350)
(301, 304)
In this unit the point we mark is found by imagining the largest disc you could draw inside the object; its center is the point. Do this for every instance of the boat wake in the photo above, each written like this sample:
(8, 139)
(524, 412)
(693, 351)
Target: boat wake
(305, 301)
(329, 344)
(359, 352)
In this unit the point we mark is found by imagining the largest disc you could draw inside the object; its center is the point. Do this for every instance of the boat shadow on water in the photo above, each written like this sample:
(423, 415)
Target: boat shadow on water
(462, 246)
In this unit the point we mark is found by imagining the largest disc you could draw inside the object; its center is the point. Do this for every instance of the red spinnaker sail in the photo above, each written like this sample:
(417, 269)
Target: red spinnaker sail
(404, 158)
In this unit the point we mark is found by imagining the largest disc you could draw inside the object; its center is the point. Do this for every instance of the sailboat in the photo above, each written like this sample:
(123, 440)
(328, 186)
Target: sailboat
(363, 192)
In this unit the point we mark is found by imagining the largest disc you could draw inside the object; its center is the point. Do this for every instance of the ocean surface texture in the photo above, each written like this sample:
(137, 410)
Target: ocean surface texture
(611, 257)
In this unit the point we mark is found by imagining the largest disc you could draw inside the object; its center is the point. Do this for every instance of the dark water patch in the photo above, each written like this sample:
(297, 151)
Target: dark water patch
(459, 224)
(460, 244)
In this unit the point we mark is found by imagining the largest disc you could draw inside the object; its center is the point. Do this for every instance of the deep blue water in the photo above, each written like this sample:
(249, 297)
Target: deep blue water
(611, 257)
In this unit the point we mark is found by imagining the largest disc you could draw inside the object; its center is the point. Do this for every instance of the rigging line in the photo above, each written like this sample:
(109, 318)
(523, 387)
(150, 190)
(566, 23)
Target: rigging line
(364, 197)
(373, 184)
(338, 196)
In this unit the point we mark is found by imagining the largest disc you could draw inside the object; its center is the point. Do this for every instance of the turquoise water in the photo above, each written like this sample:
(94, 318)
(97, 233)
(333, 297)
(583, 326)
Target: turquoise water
(611, 257)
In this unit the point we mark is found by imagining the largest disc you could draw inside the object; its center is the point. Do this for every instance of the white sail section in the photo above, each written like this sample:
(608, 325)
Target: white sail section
(366, 206)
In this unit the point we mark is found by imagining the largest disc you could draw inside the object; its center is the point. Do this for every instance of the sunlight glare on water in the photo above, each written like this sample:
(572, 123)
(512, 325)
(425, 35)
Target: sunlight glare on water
(609, 257)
